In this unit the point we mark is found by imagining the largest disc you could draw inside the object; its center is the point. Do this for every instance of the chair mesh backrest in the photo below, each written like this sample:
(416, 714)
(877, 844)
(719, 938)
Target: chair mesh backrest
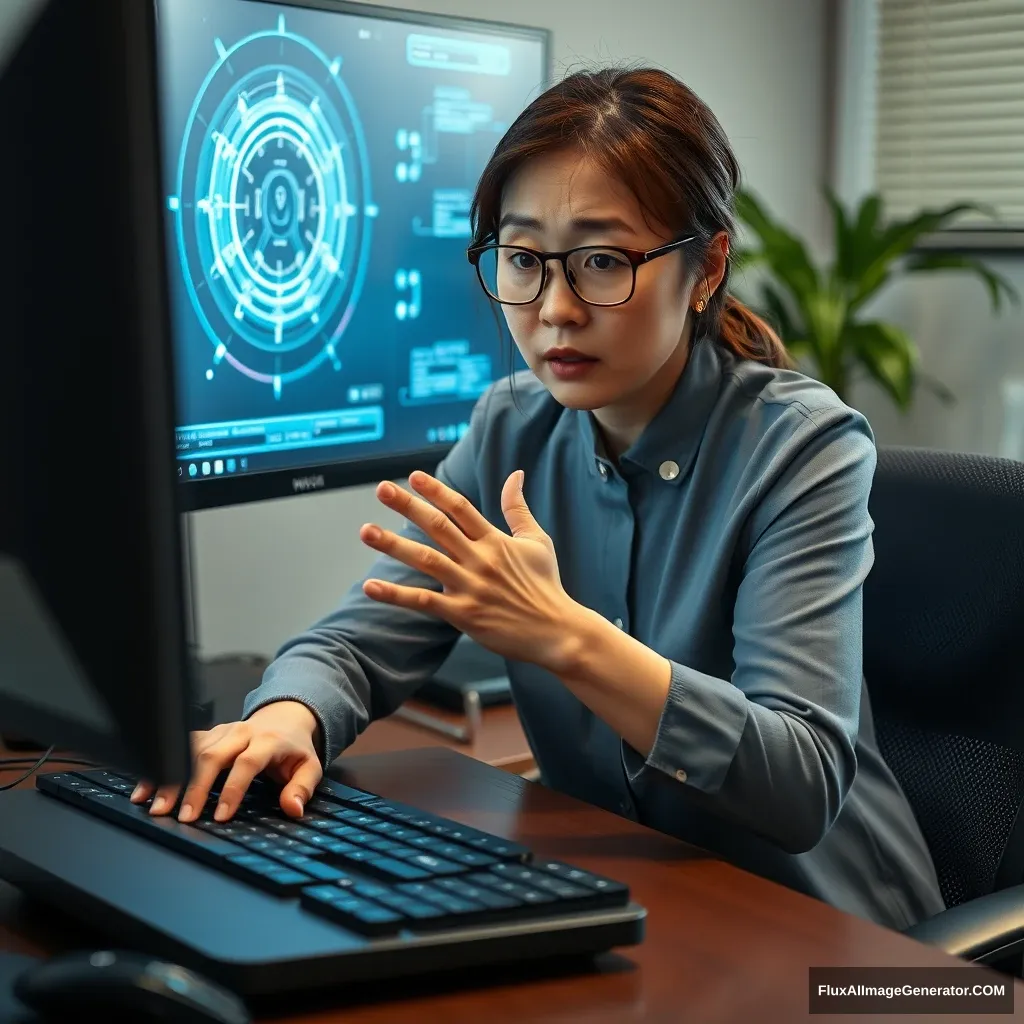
(943, 651)
(966, 816)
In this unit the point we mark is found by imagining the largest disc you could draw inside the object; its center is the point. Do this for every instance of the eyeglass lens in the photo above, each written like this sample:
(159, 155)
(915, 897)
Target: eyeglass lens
(600, 276)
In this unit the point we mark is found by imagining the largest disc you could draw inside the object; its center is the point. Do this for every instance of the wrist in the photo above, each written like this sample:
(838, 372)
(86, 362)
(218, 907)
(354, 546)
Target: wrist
(579, 639)
(294, 711)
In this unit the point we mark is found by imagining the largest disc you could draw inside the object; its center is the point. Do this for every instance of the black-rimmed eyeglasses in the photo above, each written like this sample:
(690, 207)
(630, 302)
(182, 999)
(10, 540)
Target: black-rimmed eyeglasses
(601, 275)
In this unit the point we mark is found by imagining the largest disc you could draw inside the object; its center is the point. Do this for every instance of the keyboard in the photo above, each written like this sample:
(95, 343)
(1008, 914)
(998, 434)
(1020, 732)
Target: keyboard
(377, 867)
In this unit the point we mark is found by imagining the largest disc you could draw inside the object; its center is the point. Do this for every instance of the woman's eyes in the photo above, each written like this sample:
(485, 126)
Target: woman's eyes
(523, 260)
(604, 261)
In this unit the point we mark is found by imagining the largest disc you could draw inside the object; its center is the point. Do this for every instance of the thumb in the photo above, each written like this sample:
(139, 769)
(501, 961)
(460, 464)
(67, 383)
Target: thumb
(517, 513)
(301, 785)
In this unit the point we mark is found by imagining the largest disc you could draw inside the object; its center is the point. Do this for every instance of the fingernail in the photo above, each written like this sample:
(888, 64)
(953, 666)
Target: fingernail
(158, 805)
(137, 792)
(299, 802)
(185, 813)
(372, 533)
(222, 811)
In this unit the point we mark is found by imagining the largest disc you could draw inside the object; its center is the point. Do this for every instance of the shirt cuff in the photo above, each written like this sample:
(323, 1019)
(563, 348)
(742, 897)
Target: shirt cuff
(698, 732)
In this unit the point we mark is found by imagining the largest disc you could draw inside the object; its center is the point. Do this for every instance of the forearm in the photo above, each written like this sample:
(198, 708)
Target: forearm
(700, 736)
(620, 679)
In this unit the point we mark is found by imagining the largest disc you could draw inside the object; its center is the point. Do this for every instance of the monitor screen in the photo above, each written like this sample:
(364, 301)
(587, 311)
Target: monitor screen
(320, 160)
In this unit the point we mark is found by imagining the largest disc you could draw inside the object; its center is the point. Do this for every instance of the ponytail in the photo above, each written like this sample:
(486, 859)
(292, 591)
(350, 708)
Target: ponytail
(751, 337)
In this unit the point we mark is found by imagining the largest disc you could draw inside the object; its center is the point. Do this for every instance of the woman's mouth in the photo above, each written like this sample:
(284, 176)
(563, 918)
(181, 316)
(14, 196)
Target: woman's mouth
(568, 364)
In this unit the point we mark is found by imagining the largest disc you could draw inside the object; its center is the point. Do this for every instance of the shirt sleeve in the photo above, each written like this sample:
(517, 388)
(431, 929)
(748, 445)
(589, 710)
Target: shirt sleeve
(361, 661)
(772, 748)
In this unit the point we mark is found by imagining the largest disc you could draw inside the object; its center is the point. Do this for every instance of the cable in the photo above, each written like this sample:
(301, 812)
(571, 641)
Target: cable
(35, 767)
(10, 763)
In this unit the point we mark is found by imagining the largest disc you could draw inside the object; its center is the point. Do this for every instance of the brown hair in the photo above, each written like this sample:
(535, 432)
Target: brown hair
(656, 136)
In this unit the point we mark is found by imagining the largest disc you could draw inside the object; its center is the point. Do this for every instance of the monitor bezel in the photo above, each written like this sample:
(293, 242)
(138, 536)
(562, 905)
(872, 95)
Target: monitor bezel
(314, 477)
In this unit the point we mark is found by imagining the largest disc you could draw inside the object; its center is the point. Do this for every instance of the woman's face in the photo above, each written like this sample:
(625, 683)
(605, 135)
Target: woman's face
(631, 354)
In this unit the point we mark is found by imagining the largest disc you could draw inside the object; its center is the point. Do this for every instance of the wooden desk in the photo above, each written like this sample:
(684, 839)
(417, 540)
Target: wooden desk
(721, 945)
(500, 741)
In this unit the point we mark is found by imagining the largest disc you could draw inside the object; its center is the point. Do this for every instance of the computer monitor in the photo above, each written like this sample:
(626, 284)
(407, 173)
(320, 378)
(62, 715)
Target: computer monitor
(92, 638)
(319, 163)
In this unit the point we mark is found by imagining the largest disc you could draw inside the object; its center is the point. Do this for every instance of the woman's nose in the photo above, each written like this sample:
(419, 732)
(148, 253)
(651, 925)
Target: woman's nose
(559, 303)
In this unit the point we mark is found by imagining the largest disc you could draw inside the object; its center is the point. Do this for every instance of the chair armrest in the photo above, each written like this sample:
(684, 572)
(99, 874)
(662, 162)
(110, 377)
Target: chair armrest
(983, 929)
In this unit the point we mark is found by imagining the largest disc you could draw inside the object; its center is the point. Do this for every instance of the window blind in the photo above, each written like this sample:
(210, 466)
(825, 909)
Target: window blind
(950, 113)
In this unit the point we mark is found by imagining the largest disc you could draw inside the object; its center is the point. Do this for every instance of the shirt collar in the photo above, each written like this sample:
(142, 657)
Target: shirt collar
(669, 443)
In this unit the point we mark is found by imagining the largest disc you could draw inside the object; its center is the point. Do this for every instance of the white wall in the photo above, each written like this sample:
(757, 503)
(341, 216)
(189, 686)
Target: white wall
(973, 352)
(267, 570)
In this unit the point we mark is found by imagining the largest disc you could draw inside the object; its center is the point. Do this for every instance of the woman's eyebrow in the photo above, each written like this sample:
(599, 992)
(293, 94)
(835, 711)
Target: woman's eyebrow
(581, 225)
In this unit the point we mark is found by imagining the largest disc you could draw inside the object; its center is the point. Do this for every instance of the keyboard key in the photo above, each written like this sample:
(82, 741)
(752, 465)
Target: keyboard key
(361, 915)
(580, 877)
(265, 873)
(447, 901)
(459, 854)
(331, 790)
(421, 913)
(434, 865)
(500, 848)
(521, 892)
(396, 869)
(478, 894)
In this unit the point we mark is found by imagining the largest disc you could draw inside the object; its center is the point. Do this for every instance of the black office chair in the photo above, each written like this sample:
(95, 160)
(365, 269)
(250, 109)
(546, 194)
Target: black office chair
(944, 663)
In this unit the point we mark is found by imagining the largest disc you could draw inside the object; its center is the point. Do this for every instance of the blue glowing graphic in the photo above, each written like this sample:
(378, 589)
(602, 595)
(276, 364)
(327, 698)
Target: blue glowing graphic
(408, 280)
(445, 371)
(273, 210)
(320, 165)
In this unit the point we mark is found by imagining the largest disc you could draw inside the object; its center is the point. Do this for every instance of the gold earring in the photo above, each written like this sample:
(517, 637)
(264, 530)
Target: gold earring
(702, 303)
(700, 306)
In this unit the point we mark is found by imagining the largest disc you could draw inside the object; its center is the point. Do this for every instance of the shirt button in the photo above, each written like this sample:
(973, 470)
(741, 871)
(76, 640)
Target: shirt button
(681, 775)
(603, 470)
(618, 623)
(669, 470)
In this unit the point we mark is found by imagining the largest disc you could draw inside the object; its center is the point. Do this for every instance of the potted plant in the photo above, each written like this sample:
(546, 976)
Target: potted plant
(820, 310)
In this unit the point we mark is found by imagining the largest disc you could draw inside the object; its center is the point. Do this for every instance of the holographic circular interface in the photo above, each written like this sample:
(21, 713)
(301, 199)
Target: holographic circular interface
(274, 207)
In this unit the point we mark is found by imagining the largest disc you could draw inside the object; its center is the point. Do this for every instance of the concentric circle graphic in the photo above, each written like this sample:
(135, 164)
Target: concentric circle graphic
(273, 207)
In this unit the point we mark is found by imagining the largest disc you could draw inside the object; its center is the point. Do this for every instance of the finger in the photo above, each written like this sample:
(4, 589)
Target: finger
(415, 555)
(248, 764)
(144, 789)
(142, 792)
(299, 790)
(165, 799)
(469, 519)
(432, 521)
(210, 761)
(415, 598)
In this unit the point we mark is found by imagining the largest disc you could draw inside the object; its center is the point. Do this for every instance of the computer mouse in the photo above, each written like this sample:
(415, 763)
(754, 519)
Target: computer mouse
(125, 986)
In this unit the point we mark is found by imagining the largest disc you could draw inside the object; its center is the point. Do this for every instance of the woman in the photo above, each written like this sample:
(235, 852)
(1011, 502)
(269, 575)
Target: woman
(662, 526)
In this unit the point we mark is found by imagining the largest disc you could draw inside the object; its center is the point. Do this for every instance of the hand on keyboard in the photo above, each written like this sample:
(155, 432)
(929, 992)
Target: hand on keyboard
(277, 740)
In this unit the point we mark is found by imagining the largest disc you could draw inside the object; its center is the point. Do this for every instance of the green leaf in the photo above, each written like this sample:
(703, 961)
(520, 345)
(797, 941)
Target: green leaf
(877, 252)
(997, 285)
(841, 239)
(888, 354)
(781, 250)
(868, 216)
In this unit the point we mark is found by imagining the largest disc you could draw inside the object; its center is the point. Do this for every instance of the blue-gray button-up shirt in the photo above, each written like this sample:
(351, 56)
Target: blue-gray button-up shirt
(733, 538)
